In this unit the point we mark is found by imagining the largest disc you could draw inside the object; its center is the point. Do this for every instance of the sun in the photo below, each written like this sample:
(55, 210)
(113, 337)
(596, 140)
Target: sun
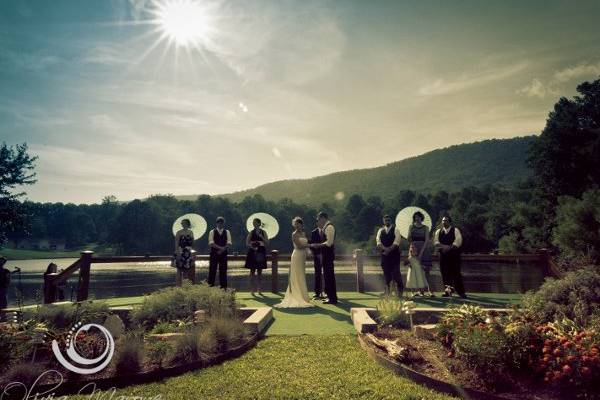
(186, 23)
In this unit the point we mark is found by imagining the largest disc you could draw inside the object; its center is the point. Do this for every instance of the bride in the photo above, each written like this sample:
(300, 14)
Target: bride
(296, 295)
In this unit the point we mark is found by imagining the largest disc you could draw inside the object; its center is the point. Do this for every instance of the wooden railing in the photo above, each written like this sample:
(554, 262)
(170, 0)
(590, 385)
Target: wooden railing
(84, 263)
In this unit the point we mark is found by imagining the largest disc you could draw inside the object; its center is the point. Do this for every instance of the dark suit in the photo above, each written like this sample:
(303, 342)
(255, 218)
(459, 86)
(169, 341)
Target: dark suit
(317, 237)
(328, 258)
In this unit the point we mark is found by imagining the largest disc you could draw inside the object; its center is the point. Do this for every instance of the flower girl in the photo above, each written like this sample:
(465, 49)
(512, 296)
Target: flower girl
(415, 279)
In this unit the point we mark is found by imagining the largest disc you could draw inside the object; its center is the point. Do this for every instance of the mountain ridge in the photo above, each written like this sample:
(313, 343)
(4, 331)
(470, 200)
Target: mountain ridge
(500, 162)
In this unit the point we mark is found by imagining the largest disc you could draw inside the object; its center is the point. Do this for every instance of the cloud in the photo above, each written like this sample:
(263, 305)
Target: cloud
(104, 54)
(73, 169)
(137, 8)
(276, 152)
(181, 121)
(33, 61)
(558, 81)
(583, 70)
(31, 115)
(278, 43)
(469, 81)
(537, 89)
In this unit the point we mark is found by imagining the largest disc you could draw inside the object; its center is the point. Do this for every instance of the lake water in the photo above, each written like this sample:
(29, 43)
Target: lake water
(135, 279)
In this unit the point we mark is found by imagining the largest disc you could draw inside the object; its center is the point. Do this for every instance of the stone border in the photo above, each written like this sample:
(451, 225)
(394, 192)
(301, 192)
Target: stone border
(363, 322)
(260, 318)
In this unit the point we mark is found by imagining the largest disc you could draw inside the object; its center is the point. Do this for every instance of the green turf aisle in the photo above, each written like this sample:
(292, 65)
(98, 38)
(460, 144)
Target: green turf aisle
(291, 367)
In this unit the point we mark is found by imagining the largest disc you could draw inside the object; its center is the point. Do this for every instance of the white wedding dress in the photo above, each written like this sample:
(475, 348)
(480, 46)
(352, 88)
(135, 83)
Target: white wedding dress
(296, 295)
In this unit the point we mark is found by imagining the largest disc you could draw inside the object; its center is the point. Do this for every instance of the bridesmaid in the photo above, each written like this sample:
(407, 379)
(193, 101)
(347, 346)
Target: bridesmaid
(256, 259)
(415, 278)
(184, 258)
(418, 235)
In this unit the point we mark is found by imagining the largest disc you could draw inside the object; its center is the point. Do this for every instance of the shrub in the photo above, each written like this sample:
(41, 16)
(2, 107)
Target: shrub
(56, 316)
(180, 303)
(186, 346)
(227, 332)
(165, 327)
(216, 335)
(26, 373)
(483, 346)
(477, 336)
(6, 348)
(522, 343)
(465, 313)
(392, 312)
(159, 353)
(130, 349)
(206, 342)
(64, 316)
(575, 297)
(456, 319)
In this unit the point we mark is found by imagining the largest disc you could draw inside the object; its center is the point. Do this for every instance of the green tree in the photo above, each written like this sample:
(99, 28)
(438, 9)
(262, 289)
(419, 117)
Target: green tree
(137, 229)
(577, 231)
(525, 235)
(16, 166)
(565, 156)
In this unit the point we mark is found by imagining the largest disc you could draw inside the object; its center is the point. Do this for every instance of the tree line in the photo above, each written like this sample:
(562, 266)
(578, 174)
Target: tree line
(144, 226)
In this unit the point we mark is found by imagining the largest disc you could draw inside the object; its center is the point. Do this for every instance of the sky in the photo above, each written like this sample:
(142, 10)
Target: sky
(133, 98)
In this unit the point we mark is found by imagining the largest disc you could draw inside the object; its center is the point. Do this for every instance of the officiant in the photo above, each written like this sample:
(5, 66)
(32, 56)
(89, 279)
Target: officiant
(256, 258)
(219, 240)
(388, 242)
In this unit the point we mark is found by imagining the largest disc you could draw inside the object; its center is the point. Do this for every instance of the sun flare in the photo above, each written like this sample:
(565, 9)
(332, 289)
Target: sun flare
(186, 23)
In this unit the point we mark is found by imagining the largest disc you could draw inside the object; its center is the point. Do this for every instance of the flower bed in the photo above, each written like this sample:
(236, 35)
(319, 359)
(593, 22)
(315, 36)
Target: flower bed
(205, 324)
(546, 349)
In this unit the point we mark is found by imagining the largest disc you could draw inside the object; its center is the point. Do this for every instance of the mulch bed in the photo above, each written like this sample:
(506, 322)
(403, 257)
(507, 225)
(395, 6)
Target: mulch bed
(429, 363)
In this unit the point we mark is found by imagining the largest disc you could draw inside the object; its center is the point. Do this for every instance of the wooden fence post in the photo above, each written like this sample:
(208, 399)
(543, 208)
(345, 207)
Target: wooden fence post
(84, 275)
(274, 271)
(49, 288)
(548, 265)
(360, 273)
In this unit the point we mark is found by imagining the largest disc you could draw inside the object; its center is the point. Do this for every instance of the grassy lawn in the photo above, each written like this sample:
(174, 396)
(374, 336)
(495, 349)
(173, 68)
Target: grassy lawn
(291, 367)
(335, 319)
(20, 254)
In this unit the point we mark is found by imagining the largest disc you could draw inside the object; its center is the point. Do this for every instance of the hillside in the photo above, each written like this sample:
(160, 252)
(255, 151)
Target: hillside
(498, 162)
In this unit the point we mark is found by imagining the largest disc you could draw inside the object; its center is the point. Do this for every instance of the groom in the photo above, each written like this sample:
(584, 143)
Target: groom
(317, 236)
(327, 249)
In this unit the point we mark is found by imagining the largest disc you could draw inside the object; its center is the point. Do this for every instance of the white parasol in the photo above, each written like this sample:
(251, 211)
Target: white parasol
(198, 225)
(404, 219)
(268, 223)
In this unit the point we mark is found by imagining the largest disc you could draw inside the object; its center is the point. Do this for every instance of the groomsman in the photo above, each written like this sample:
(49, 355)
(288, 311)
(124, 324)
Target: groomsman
(317, 236)
(327, 248)
(388, 242)
(448, 240)
(219, 240)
